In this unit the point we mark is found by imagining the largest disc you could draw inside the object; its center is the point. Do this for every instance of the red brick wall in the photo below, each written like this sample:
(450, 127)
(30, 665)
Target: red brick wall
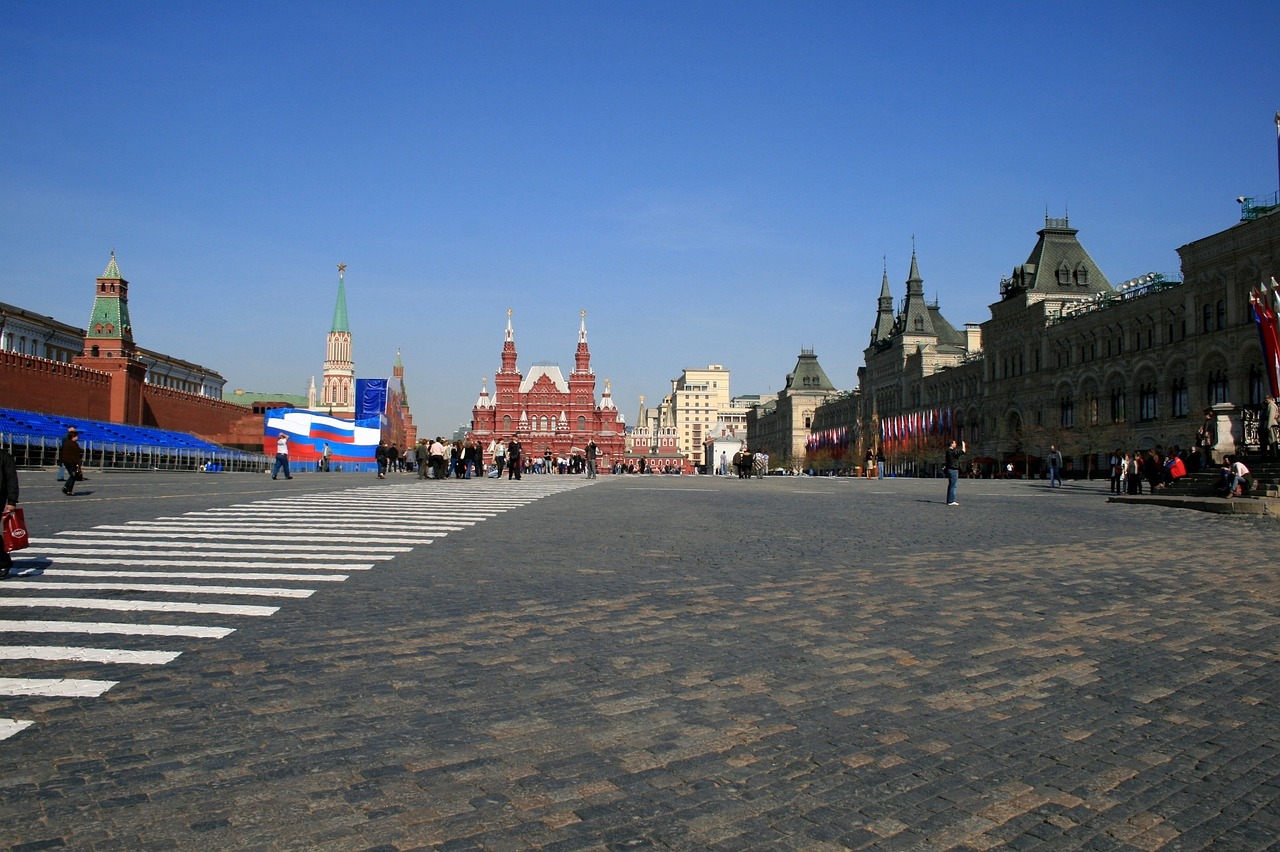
(52, 387)
(211, 419)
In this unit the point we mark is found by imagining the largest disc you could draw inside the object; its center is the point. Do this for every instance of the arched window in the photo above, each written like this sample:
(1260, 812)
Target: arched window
(1147, 402)
(506, 423)
(1178, 396)
(1117, 405)
(1067, 412)
(1222, 313)
(1256, 395)
(1218, 390)
(1208, 318)
(582, 423)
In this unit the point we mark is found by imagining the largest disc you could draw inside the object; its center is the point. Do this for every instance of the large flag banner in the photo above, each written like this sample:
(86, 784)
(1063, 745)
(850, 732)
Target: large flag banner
(371, 398)
(351, 441)
(1266, 313)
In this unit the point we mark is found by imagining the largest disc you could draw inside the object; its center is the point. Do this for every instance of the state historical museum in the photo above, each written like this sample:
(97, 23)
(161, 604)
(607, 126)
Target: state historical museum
(547, 413)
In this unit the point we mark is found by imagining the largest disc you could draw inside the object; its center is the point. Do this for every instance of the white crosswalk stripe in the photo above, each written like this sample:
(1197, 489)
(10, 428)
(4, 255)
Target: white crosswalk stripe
(330, 536)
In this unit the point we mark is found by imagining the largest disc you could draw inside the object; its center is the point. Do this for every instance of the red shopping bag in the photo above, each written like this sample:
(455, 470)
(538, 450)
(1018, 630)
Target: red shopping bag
(15, 531)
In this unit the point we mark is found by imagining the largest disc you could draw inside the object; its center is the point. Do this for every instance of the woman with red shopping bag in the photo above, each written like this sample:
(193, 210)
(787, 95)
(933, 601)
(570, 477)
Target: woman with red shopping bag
(9, 499)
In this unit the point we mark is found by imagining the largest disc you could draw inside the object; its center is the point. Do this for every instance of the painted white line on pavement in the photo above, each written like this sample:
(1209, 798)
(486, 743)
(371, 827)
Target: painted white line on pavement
(309, 539)
(349, 551)
(140, 606)
(369, 533)
(189, 630)
(9, 727)
(87, 655)
(212, 563)
(182, 575)
(54, 688)
(256, 591)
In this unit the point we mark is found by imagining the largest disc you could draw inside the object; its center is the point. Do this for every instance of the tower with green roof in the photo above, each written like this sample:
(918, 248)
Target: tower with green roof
(109, 347)
(338, 382)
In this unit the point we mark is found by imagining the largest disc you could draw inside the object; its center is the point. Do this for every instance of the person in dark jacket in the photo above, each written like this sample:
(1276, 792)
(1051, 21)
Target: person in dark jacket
(9, 499)
(952, 467)
(70, 454)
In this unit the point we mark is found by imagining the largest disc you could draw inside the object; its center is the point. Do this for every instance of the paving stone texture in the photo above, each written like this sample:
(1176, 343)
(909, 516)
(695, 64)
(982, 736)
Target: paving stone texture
(692, 663)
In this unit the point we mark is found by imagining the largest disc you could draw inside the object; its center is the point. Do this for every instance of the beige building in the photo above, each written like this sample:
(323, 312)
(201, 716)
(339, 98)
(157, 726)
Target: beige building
(699, 399)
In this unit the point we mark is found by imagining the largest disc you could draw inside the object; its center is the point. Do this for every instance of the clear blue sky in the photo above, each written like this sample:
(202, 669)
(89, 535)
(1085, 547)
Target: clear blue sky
(713, 182)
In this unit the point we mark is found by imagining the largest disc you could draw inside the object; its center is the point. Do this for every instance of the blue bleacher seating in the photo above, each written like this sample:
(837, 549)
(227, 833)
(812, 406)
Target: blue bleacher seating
(35, 425)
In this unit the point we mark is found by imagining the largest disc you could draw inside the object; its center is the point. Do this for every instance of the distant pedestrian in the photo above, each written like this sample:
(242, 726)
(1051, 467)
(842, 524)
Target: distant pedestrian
(952, 466)
(8, 499)
(282, 457)
(71, 454)
(592, 452)
(422, 456)
(515, 460)
(498, 449)
(436, 454)
(1271, 428)
(1055, 465)
(382, 457)
(1207, 438)
(325, 457)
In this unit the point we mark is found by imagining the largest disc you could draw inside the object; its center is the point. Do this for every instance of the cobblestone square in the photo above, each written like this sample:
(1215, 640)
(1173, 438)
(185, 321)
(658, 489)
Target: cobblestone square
(681, 663)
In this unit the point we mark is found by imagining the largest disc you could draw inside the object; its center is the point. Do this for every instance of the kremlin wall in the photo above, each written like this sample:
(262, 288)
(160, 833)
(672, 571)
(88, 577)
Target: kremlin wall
(100, 373)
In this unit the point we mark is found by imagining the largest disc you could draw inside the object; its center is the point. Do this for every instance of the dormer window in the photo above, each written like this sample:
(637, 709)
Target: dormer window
(919, 323)
(1082, 275)
(1064, 274)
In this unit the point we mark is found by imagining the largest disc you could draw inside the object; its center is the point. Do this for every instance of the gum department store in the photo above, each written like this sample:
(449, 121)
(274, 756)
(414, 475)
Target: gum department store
(1065, 358)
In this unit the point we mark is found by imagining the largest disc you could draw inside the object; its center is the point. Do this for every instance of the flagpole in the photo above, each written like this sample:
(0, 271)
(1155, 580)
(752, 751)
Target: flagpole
(1278, 142)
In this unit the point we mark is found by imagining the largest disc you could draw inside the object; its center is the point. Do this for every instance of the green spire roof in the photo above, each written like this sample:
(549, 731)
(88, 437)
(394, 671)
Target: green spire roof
(340, 309)
(113, 271)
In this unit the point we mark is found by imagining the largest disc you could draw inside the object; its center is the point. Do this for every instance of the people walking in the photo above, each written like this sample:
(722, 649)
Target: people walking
(422, 457)
(952, 466)
(282, 457)
(1055, 465)
(1271, 428)
(514, 459)
(498, 449)
(436, 455)
(381, 457)
(70, 454)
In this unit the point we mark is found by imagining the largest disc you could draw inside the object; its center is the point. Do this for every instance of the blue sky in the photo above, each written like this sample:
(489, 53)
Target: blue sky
(712, 182)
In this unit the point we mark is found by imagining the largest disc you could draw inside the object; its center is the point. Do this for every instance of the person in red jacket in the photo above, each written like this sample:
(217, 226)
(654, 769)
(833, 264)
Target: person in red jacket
(9, 499)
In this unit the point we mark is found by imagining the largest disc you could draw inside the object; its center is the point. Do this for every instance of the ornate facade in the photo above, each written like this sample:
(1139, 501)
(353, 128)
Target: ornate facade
(547, 412)
(1068, 359)
(338, 381)
(781, 426)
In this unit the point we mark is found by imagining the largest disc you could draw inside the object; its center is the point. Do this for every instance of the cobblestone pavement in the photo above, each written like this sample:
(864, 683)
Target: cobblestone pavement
(673, 663)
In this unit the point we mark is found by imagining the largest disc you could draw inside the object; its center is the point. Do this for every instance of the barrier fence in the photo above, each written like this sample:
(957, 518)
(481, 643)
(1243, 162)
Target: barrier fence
(42, 451)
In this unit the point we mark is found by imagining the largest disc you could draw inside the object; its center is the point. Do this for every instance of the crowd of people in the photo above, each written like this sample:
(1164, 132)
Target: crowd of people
(1156, 468)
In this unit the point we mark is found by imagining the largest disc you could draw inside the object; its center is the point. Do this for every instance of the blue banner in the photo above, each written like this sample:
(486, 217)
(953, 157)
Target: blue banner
(371, 398)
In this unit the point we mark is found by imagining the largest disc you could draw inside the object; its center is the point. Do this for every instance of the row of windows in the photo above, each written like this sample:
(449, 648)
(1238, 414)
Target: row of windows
(545, 424)
(1217, 390)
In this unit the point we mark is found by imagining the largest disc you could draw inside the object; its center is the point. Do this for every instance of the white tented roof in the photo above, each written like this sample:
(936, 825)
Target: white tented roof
(551, 371)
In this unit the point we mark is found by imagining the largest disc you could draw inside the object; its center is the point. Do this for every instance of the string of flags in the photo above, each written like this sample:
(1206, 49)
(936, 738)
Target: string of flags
(902, 429)
(1265, 304)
